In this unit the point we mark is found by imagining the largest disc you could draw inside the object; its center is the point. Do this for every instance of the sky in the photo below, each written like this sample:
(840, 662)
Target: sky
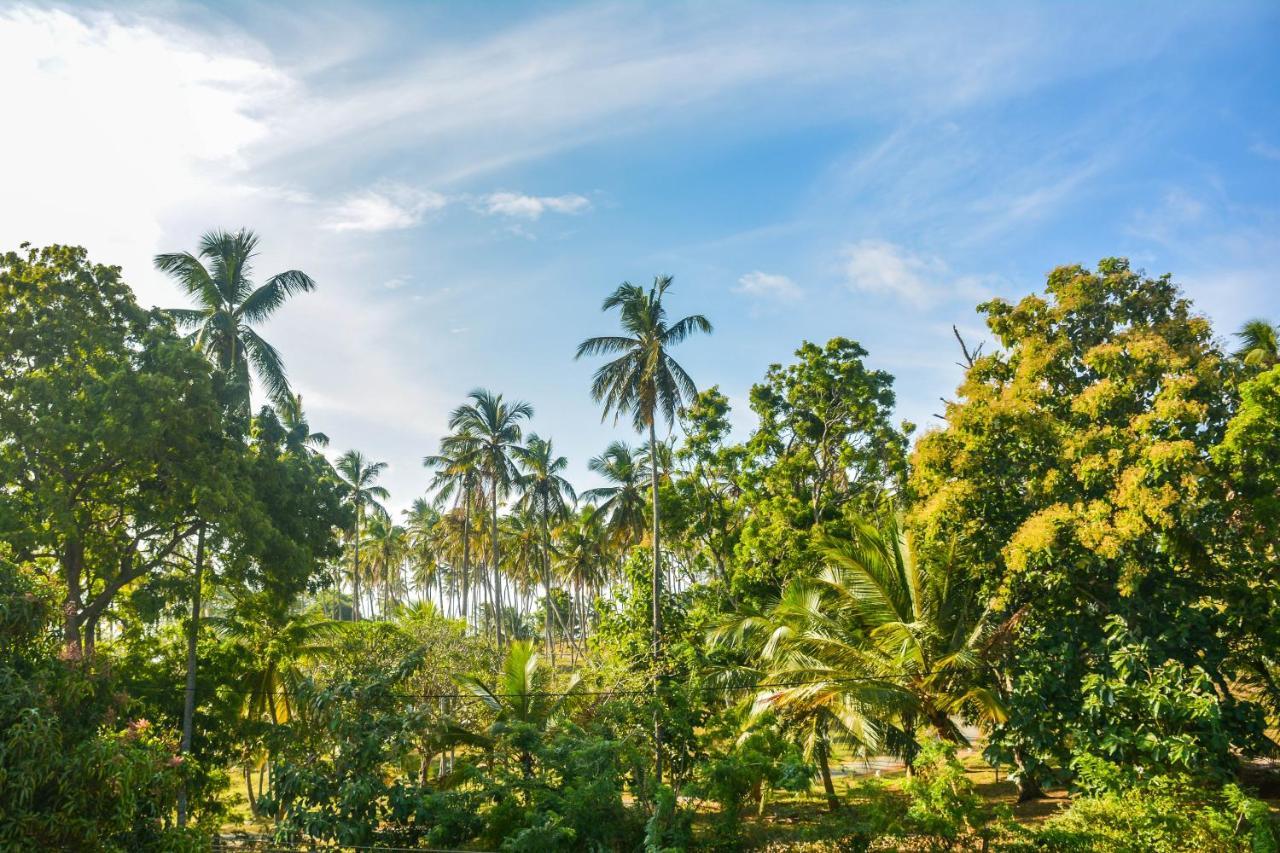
(466, 182)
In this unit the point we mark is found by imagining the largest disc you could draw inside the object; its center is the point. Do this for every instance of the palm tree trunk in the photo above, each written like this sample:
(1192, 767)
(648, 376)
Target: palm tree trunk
(497, 573)
(824, 766)
(657, 606)
(546, 587)
(355, 573)
(466, 552)
(189, 699)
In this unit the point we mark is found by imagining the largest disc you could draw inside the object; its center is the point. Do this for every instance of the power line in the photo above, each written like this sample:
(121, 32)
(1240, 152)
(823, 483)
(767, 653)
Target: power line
(648, 691)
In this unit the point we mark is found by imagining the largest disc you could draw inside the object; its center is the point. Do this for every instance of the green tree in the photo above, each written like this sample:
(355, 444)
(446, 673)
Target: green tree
(1074, 479)
(111, 447)
(218, 277)
(622, 502)
(494, 424)
(359, 476)
(647, 383)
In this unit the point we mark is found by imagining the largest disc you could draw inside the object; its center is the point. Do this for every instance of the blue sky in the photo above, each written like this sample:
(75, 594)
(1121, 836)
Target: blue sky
(467, 181)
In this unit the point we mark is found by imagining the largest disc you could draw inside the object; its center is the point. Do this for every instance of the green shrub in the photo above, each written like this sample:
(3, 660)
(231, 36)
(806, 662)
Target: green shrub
(1166, 814)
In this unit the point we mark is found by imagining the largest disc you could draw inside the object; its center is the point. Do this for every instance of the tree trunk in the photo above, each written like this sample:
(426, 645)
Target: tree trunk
(355, 573)
(1028, 785)
(546, 586)
(248, 786)
(657, 607)
(72, 560)
(466, 553)
(824, 766)
(189, 697)
(497, 572)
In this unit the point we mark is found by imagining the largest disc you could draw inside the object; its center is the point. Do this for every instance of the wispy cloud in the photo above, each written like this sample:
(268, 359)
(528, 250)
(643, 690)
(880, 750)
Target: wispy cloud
(882, 267)
(878, 266)
(388, 208)
(769, 286)
(532, 207)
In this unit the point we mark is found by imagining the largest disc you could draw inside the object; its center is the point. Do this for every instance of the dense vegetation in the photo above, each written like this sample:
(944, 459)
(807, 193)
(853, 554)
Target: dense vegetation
(205, 620)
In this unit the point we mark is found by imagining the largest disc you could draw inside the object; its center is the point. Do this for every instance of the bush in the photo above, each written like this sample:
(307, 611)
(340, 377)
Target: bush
(1166, 814)
(74, 775)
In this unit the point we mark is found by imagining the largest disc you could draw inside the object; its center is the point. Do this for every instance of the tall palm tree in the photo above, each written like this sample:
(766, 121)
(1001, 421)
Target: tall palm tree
(495, 425)
(622, 502)
(229, 305)
(1259, 344)
(387, 545)
(298, 436)
(646, 382)
(458, 475)
(219, 278)
(359, 478)
(422, 521)
(546, 495)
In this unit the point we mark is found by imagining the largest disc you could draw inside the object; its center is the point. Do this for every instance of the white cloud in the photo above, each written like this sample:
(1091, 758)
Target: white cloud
(387, 208)
(120, 126)
(878, 266)
(768, 285)
(532, 206)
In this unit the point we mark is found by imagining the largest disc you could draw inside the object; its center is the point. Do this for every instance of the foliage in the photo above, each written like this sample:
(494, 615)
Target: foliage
(1074, 480)
(1162, 814)
(64, 732)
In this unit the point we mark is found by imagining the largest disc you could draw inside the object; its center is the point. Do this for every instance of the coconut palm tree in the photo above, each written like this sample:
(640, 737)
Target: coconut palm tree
(546, 495)
(581, 551)
(423, 548)
(219, 278)
(387, 545)
(1259, 344)
(458, 475)
(876, 644)
(298, 435)
(279, 644)
(520, 698)
(495, 425)
(647, 383)
(622, 502)
(359, 477)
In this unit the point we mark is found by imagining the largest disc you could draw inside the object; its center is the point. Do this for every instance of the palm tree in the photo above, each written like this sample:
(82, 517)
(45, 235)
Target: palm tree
(622, 502)
(387, 545)
(520, 698)
(298, 435)
(359, 478)
(495, 425)
(646, 382)
(278, 644)
(1259, 344)
(875, 643)
(218, 277)
(581, 550)
(546, 495)
(458, 475)
(423, 547)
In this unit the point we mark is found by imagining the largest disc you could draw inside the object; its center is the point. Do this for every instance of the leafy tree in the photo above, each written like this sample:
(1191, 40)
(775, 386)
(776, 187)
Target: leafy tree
(1074, 480)
(359, 477)
(646, 382)
(218, 277)
(110, 438)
